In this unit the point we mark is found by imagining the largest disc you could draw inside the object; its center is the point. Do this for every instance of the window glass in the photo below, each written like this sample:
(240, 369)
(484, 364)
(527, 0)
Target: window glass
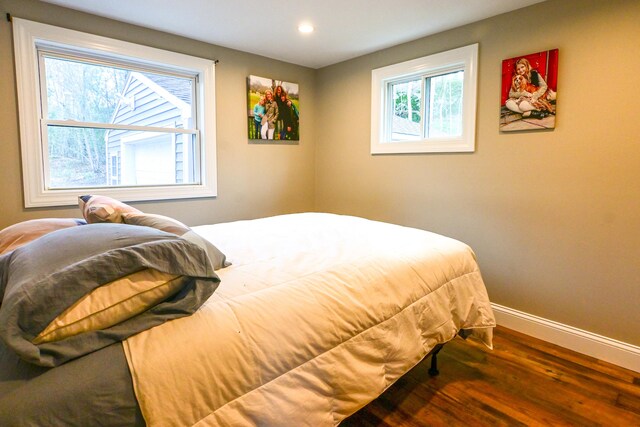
(445, 105)
(77, 157)
(407, 110)
(82, 92)
(86, 93)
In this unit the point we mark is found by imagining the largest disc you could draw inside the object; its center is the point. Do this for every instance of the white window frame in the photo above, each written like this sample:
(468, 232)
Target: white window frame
(28, 36)
(463, 58)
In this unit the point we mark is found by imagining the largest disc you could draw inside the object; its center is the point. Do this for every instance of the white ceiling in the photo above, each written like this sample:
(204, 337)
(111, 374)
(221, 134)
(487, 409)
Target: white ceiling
(344, 29)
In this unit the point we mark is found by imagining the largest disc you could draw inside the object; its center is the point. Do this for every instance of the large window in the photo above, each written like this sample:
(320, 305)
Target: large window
(426, 104)
(99, 115)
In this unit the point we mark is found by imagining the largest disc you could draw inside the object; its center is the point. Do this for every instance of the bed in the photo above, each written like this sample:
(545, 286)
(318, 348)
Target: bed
(311, 317)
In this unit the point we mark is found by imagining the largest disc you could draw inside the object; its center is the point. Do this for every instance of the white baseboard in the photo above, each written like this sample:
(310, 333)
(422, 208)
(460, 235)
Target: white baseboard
(602, 348)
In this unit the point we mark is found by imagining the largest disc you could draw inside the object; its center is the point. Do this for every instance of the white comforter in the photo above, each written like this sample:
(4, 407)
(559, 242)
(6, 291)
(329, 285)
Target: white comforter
(316, 317)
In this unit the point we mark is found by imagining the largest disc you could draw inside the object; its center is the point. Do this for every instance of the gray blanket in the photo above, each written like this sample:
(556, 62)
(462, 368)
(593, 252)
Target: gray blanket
(94, 390)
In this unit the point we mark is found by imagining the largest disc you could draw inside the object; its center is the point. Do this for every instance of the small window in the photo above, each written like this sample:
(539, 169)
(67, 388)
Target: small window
(425, 105)
(114, 169)
(99, 115)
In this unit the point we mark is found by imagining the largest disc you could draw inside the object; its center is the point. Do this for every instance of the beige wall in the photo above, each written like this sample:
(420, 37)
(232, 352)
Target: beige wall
(554, 217)
(253, 180)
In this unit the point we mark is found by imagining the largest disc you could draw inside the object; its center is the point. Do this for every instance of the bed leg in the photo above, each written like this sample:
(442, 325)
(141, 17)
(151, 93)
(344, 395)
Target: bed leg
(433, 370)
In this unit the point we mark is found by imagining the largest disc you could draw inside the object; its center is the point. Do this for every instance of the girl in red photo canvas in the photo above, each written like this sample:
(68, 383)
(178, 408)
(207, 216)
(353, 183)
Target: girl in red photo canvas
(529, 90)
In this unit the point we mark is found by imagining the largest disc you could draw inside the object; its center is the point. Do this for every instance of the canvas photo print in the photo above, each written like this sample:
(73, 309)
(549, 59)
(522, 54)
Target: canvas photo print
(529, 91)
(274, 111)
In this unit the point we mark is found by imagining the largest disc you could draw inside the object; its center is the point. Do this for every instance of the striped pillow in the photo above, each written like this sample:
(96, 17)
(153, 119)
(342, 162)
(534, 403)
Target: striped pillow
(103, 209)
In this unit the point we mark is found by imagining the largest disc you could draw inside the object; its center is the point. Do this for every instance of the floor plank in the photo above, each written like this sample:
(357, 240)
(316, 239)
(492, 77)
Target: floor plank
(523, 381)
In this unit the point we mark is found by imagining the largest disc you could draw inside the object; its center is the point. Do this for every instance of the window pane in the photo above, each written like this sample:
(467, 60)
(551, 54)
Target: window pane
(445, 105)
(90, 157)
(88, 92)
(406, 102)
(82, 92)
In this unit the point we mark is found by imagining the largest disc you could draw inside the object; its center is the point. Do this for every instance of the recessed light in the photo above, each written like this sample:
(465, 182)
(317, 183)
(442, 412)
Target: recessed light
(305, 28)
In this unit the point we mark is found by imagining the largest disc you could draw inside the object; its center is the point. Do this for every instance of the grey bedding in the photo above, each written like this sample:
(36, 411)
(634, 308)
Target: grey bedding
(43, 278)
(83, 379)
(94, 390)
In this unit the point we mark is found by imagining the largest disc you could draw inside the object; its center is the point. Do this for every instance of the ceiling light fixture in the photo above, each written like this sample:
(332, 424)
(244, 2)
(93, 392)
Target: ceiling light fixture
(305, 28)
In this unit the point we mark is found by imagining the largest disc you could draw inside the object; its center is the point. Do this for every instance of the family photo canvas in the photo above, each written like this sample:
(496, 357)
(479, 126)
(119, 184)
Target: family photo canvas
(273, 111)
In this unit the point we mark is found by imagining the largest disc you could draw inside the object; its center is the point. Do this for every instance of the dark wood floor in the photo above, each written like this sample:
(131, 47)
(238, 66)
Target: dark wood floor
(523, 381)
